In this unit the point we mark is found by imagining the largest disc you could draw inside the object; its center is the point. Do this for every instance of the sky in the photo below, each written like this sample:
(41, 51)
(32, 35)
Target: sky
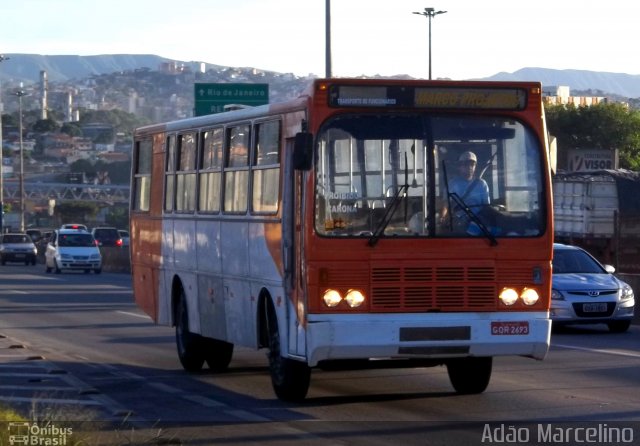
(473, 39)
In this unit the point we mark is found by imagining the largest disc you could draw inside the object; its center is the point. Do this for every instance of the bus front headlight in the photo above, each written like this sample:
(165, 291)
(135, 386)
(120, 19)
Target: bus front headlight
(529, 296)
(508, 296)
(354, 298)
(331, 298)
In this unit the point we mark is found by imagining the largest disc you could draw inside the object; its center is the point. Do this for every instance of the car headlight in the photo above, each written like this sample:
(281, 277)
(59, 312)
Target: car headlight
(65, 256)
(95, 256)
(626, 292)
(556, 295)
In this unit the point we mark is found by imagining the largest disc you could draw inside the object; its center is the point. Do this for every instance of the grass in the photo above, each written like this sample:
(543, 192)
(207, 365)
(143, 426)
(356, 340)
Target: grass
(87, 432)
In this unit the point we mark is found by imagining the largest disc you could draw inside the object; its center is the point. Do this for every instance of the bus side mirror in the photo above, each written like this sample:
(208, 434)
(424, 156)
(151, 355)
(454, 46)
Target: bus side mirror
(303, 151)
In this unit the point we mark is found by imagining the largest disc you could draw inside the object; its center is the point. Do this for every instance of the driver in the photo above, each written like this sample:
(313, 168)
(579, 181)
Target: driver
(474, 192)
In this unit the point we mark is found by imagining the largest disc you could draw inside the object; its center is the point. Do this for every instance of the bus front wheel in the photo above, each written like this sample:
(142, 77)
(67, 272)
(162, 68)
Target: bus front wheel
(290, 379)
(190, 351)
(470, 375)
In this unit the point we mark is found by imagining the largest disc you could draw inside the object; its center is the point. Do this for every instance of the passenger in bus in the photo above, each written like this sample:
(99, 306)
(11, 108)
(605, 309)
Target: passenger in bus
(472, 191)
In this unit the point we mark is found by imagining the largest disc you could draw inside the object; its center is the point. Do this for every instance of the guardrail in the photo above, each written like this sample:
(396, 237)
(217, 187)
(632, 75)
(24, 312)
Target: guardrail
(114, 260)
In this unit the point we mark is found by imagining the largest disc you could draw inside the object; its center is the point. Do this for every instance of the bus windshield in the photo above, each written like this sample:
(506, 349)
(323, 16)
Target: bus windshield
(418, 175)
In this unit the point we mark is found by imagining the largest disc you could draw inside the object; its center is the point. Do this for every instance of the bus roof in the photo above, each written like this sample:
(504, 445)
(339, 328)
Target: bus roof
(323, 84)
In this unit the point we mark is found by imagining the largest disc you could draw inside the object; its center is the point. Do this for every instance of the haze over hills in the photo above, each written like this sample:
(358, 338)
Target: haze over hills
(626, 85)
(26, 67)
(61, 68)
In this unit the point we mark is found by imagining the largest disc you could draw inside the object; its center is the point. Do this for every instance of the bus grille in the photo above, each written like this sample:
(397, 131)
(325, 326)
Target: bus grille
(433, 288)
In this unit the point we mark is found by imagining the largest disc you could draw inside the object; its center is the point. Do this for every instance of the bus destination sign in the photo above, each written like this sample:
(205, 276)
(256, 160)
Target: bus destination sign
(485, 98)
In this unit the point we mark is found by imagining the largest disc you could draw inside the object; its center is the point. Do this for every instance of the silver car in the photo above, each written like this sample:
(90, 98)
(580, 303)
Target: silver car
(586, 292)
(17, 248)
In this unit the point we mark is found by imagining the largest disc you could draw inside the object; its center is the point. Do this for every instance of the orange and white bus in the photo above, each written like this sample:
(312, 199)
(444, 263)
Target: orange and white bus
(328, 229)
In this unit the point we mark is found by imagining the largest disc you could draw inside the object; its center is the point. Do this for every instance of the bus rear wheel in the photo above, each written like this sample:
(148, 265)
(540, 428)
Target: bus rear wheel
(290, 379)
(190, 351)
(218, 354)
(470, 375)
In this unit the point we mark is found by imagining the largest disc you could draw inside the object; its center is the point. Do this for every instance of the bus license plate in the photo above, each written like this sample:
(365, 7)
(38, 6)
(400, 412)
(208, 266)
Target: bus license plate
(510, 328)
(594, 308)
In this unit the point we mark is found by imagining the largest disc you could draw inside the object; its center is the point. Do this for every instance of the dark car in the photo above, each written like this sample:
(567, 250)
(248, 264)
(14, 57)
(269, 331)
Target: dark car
(106, 236)
(586, 292)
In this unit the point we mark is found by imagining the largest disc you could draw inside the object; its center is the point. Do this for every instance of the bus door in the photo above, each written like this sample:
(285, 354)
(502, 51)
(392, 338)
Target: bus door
(292, 233)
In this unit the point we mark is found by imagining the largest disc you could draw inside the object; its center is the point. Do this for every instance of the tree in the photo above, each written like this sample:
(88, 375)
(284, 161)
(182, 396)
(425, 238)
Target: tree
(83, 166)
(71, 129)
(121, 121)
(118, 216)
(45, 125)
(601, 126)
(76, 211)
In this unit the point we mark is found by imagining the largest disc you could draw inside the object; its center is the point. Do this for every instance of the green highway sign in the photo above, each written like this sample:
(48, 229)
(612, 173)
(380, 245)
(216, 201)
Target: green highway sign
(211, 98)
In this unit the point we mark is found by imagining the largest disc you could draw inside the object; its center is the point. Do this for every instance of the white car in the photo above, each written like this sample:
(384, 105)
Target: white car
(124, 235)
(73, 250)
(75, 226)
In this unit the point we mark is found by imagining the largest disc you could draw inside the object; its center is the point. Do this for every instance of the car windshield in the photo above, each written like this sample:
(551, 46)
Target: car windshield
(106, 234)
(11, 238)
(80, 240)
(570, 261)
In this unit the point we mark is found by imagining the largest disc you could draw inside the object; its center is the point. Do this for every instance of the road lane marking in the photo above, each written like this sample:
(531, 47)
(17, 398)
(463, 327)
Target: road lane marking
(142, 316)
(19, 399)
(599, 350)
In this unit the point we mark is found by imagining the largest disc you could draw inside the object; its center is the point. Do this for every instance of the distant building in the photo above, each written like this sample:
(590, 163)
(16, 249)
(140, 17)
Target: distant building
(560, 95)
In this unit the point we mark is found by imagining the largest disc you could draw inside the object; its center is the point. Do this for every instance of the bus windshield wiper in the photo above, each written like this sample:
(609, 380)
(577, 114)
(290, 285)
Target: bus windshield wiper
(388, 215)
(473, 217)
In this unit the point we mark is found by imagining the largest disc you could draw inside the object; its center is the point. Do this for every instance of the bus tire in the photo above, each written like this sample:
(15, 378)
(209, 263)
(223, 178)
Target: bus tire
(218, 354)
(290, 379)
(190, 345)
(470, 375)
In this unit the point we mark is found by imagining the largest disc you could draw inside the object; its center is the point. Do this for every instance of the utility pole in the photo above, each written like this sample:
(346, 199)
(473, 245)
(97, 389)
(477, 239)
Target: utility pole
(430, 13)
(21, 93)
(2, 59)
(328, 38)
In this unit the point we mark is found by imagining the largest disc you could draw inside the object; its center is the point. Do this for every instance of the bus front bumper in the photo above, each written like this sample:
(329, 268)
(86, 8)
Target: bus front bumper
(427, 336)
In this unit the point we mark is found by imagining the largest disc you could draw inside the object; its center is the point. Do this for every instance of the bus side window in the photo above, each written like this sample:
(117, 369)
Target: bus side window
(186, 175)
(210, 170)
(265, 167)
(236, 169)
(142, 175)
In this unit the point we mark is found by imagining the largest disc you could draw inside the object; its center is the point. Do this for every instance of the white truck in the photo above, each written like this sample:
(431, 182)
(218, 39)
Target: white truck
(600, 211)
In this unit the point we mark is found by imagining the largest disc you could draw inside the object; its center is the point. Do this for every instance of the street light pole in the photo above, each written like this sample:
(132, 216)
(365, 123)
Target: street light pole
(2, 59)
(21, 93)
(430, 13)
(327, 36)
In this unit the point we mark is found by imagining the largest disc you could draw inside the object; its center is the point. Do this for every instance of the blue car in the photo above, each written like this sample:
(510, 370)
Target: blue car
(586, 292)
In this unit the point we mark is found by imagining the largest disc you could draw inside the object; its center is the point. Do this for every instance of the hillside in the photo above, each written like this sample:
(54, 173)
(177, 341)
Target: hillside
(27, 67)
(625, 85)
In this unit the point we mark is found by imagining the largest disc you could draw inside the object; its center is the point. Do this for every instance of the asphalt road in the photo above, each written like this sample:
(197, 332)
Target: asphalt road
(75, 350)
